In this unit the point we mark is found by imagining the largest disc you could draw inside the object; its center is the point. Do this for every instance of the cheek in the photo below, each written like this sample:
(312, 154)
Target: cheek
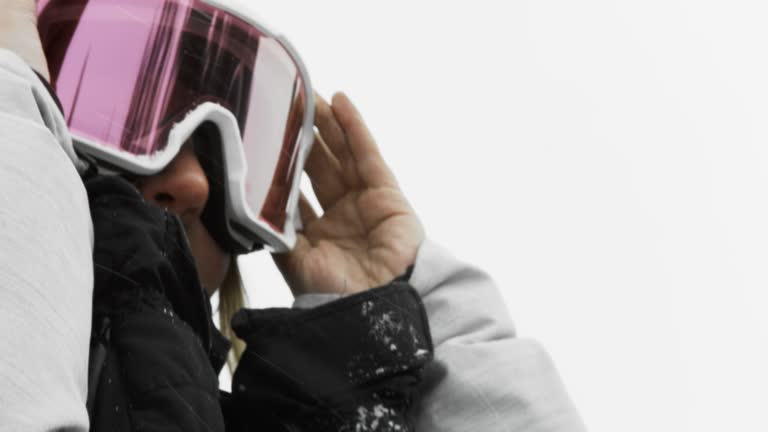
(212, 263)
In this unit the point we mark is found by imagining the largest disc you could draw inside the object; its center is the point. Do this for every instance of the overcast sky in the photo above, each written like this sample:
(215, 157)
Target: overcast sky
(605, 161)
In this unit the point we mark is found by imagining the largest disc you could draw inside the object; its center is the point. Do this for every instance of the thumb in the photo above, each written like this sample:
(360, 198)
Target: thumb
(288, 263)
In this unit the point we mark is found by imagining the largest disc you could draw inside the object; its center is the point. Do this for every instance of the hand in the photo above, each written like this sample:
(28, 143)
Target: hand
(368, 233)
(18, 33)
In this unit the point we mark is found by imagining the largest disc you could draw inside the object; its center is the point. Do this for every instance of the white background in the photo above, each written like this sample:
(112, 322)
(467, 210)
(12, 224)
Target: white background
(604, 160)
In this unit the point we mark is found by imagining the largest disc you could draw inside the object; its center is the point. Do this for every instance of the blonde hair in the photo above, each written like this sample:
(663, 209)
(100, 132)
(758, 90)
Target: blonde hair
(231, 299)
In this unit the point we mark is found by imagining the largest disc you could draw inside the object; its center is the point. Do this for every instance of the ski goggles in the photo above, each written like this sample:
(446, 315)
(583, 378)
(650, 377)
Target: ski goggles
(138, 78)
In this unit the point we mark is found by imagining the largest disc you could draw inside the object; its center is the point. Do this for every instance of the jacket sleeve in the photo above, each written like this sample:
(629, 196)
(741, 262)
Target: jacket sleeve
(353, 364)
(484, 377)
(45, 261)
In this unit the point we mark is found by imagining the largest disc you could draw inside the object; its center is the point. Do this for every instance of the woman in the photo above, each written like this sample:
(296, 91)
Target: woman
(330, 366)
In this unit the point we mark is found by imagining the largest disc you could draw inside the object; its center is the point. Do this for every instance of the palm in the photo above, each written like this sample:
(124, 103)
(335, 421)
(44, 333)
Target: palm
(368, 233)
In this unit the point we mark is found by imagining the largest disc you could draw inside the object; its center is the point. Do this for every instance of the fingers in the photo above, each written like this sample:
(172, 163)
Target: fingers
(325, 173)
(370, 166)
(336, 140)
(344, 156)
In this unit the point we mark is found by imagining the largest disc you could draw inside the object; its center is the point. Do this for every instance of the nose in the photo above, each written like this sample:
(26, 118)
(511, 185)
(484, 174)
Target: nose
(181, 187)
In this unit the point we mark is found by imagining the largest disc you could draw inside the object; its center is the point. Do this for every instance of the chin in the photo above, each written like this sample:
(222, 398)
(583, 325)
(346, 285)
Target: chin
(211, 261)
